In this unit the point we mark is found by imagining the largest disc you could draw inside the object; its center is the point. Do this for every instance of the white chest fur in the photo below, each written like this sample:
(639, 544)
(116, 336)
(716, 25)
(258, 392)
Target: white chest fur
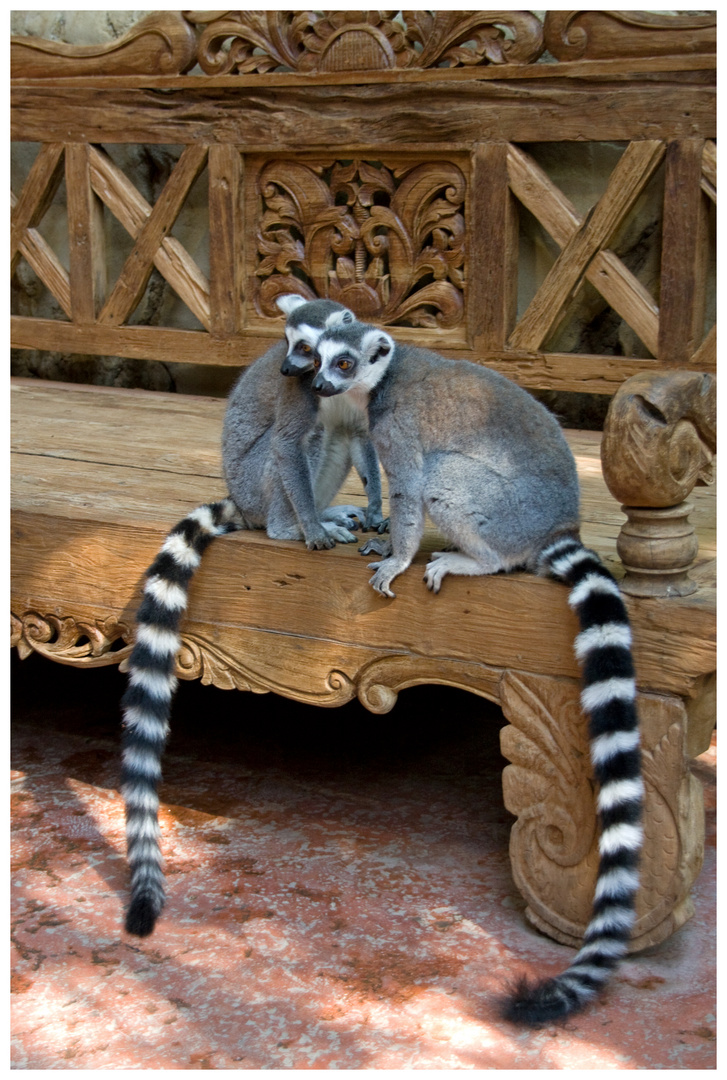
(349, 411)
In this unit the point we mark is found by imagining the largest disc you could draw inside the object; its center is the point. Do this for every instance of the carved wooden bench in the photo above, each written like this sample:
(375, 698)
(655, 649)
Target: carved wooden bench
(342, 159)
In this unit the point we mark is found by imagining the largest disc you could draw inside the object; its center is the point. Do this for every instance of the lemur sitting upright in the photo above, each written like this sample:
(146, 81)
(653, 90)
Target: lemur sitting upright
(492, 468)
(282, 467)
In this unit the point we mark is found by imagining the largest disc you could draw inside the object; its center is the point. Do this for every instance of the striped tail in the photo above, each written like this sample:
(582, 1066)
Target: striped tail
(608, 697)
(147, 701)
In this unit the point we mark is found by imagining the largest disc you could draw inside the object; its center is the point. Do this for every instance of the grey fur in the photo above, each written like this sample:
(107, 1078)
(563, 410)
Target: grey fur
(283, 458)
(279, 459)
(493, 470)
(460, 442)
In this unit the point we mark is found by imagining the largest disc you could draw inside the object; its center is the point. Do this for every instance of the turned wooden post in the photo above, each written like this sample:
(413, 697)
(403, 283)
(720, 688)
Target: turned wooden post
(659, 441)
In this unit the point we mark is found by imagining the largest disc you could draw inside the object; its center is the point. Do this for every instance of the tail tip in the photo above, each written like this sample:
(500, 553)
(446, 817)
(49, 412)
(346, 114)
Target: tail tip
(142, 916)
(532, 1004)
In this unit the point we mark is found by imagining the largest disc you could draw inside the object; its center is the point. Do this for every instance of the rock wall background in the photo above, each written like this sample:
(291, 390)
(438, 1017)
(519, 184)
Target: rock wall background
(580, 170)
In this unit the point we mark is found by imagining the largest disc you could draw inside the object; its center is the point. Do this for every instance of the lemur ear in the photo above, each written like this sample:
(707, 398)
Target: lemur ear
(288, 302)
(340, 318)
(376, 345)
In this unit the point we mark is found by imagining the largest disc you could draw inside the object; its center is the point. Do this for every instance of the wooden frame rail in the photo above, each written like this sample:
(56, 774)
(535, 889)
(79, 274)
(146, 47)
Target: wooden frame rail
(426, 156)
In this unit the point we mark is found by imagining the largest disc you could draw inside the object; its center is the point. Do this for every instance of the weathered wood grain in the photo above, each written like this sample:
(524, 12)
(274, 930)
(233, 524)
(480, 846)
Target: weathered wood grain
(559, 371)
(85, 237)
(684, 254)
(227, 240)
(450, 116)
(133, 211)
(132, 281)
(39, 188)
(625, 184)
(699, 66)
(622, 289)
(46, 264)
(492, 255)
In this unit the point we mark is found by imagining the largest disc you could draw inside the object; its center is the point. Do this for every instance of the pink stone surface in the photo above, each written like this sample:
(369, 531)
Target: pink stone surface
(339, 896)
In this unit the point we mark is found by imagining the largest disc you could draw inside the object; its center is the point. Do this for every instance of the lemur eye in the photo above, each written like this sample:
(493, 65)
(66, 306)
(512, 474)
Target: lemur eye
(343, 365)
(316, 362)
(305, 348)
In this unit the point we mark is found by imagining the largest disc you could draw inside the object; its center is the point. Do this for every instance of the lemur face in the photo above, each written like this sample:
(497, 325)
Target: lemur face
(306, 322)
(348, 357)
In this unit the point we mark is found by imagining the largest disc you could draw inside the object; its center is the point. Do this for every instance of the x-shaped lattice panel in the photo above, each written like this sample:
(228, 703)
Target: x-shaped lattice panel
(148, 226)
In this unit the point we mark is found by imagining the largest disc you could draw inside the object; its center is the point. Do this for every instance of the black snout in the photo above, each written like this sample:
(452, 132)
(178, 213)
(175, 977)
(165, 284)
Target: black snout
(323, 387)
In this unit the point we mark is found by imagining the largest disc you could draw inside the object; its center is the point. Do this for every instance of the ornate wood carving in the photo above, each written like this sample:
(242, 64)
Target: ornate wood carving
(243, 42)
(598, 35)
(78, 643)
(379, 683)
(257, 42)
(386, 240)
(161, 44)
(659, 440)
(549, 786)
(201, 659)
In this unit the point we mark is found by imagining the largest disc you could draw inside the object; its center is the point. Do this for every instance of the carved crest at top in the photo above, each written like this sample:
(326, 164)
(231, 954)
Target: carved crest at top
(598, 35)
(244, 42)
(334, 42)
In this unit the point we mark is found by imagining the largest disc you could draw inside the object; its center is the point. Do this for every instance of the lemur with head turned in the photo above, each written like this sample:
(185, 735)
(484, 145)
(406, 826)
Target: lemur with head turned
(283, 463)
(491, 467)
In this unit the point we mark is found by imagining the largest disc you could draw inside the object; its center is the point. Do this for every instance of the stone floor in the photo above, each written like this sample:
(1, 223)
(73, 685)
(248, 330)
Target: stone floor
(339, 896)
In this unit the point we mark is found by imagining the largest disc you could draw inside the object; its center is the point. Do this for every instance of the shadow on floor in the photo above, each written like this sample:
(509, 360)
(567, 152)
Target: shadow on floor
(339, 895)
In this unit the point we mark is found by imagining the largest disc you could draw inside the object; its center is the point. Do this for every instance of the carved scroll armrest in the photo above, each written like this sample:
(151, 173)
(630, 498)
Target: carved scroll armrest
(659, 441)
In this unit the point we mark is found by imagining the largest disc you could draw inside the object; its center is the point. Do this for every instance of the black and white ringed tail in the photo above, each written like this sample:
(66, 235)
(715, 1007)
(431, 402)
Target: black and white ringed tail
(147, 701)
(608, 697)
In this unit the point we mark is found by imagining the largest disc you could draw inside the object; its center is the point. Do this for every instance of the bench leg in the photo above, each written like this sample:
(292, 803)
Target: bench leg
(550, 788)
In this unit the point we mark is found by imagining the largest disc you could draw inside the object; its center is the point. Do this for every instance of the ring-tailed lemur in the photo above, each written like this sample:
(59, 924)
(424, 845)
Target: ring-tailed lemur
(274, 452)
(493, 470)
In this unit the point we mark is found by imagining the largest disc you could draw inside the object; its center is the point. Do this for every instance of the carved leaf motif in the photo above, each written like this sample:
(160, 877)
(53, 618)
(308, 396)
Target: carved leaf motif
(78, 643)
(366, 234)
(256, 41)
(475, 37)
(548, 786)
(246, 42)
(201, 659)
(163, 43)
(576, 35)
(551, 745)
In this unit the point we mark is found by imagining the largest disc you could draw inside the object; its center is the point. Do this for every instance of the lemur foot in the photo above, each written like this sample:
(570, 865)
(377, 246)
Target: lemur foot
(386, 571)
(456, 562)
(346, 517)
(320, 541)
(338, 533)
(374, 522)
(376, 547)
(436, 571)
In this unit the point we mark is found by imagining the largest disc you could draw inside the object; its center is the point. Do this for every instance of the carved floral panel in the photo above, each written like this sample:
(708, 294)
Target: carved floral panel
(246, 42)
(386, 238)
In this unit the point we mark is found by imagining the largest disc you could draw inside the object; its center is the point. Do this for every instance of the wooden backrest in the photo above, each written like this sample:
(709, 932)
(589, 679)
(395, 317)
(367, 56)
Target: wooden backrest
(394, 164)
